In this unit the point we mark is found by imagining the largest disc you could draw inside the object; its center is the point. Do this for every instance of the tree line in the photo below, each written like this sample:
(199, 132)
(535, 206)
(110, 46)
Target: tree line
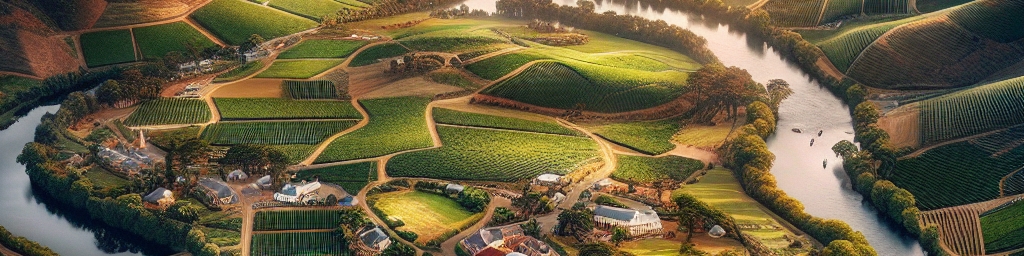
(22, 245)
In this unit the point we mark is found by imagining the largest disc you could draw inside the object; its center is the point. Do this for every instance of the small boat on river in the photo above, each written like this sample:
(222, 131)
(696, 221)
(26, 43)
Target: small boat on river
(796, 130)
(824, 163)
(812, 142)
(819, 132)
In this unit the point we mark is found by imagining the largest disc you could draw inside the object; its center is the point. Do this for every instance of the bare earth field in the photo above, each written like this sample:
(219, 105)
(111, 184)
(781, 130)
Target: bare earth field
(413, 86)
(903, 125)
(251, 88)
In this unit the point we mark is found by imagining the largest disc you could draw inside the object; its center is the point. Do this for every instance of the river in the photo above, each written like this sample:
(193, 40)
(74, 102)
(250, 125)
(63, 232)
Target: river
(28, 212)
(824, 192)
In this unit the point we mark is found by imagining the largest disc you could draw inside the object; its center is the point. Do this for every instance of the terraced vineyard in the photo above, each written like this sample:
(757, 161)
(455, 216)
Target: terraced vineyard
(1003, 229)
(452, 117)
(170, 111)
(322, 48)
(794, 13)
(596, 88)
(374, 53)
(309, 90)
(235, 20)
(477, 154)
(641, 169)
(999, 20)
(396, 124)
(844, 48)
(652, 137)
(296, 220)
(886, 6)
(957, 174)
(292, 132)
(838, 8)
(156, 41)
(973, 111)
(306, 243)
(498, 66)
(351, 177)
(272, 108)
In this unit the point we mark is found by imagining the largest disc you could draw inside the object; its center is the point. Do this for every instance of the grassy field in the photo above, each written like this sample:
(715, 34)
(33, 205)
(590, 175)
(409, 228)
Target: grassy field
(310, 9)
(221, 237)
(170, 111)
(235, 20)
(1003, 230)
(719, 188)
(102, 178)
(641, 169)
(351, 177)
(298, 69)
(295, 220)
(396, 124)
(972, 111)
(307, 243)
(271, 108)
(382, 51)
(240, 72)
(310, 90)
(652, 247)
(452, 77)
(290, 132)
(651, 137)
(322, 48)
(107, 47)
(705, 137)
(478, 154)
(156, 41)
(447, 116)
(428, 215)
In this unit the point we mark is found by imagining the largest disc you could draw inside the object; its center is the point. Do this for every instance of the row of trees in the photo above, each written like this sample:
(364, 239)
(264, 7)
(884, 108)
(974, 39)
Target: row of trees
(53, 87)
(22, 245)
(632, 27)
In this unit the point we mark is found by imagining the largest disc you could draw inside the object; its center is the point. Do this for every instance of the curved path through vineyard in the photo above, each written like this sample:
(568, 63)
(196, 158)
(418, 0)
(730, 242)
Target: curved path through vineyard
(323, 145)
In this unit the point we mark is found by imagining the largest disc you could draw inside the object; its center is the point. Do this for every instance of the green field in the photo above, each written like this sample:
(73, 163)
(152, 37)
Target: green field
(704, 137)
(452, 77)
(428, 215)
(240, 72)
(720, 189)
(156, 41)
(498, 66)
(102, 178)
(322, 48)
(1003, 230)
(288, 132)
(396, 124)
(310, 90)
(843, 48)
(351, 177)
(272, 108)
(295, 152)
(650, 137)
(170, 111)
(296, 220)
(972, 111)
(221, 237)
(641, 169)
(449, 43)
(452, 117)
(107, 47)
(374, 53)
(652, 247)
(298, 69)
(235, 20)
(306, 243)
(478, 154)
(310, 9)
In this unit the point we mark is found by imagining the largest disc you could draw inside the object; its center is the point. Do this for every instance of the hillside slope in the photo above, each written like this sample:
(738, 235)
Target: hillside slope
(28, 46)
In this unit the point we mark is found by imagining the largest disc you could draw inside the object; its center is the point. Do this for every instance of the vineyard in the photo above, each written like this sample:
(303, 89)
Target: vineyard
(449, 43)
(374, 53)
(926, 6)
(592, 87)
(844, 48)
(239, 72)
(156, 41)
(957, 174)
(107, 47)
(794, 13)
(351, 177)
(273, 108)
(476, 154)
(296, 220)
(396, 124)
(309, 90)
(235, 21)
(999, 20)
(307, 243)
(295, 152)
(426, 214)
(960, 224)
(838, 8)
(498, 66)
(170, 111)
(296, 132)
(641, 169)
(652, 138)
(1004, 229)
(310, 9)
(298, 69)
(322, 48)
(972, 111)
(447, 116)
(887, 6)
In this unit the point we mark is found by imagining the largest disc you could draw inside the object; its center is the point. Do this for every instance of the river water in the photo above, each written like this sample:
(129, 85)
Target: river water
(824, 192)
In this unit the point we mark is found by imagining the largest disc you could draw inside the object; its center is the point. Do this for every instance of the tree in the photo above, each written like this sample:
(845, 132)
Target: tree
(183, 211)
(503, 215)
(473, 199)
(778, 90)
(844, 148)
(865, 114)
(596, 249)
(531, 228)
(840, 248)
(255, 40)
(618, 235)
(855, 94)
(575, 222)
(398, 249)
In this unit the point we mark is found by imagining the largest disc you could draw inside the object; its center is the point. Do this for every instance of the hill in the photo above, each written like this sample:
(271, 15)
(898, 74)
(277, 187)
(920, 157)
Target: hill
(29, 47)
(71, 15)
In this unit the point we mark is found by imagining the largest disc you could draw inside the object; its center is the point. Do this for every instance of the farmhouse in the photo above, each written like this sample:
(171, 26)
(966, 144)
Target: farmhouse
(217, 192)
(372, 241)
(297, 192)
(505, 240)
(160, 198)
(547, 180)
(264, 182)
(237, 175)
(122, 162)
(639, 224)
(454, 188)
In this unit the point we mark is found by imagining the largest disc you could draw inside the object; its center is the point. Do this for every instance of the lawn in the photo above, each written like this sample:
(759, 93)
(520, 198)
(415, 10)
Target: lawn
(238, 73)
(310, 9)
(156, 41)
(1003, 230)
(374, 53)
(351, 177)
(322, 48)
(273, 108)
(719, 188)
(650, 137)
(452, 117)
(396, 124)
(108, 47)
(705, 137)
(641, 169)
(652, 247)
(235, 21)
(298, 69)
(275, 133)
(102, 178)
(428, 215)
(170, 111)
(494, 155)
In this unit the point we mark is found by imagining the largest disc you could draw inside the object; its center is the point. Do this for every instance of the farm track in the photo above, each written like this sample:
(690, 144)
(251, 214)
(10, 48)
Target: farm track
(491, 55)
(918, 152)
(448, 247)
(202, 30)
(960, 227)
(323, 146)
(348, 60)
(7, 252)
